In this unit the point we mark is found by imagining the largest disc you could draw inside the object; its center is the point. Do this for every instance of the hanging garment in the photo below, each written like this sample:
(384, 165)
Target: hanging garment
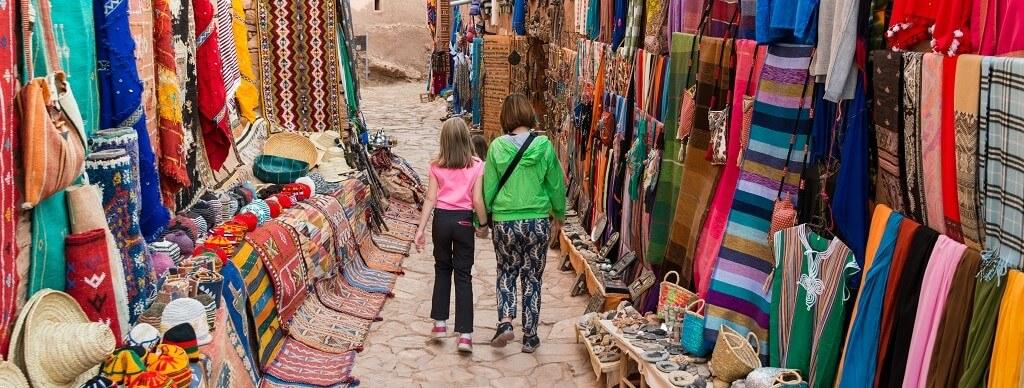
(837, 45)
(995, 29)
(736, 296)
(910, 23)
(634, 28)
(950, 34)
(988, 294)
(938, 279)
(77, 33)
(173, 167)
(619, 22)
(184, 39)
(785, 21)
(808, 301)
(965, 125)
(913, 170)
(1008, 351)
(698, 172)
(908, 228)
(888, 81)
(228, 52)
(748, 19)
(948, 146)
(675, 18)
(951, 336)
(931, 135)
(140, 21)
(216, 131)
(858, 370)
(998, 135)
(8, 192)
(655, 40)
(724, 19)
(749, 60)
(247, 94)
(904, 298)
(121, 96)
(852, 184)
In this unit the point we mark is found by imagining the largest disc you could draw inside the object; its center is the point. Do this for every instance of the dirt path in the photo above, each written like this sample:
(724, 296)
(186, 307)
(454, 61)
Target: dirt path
(398, 351)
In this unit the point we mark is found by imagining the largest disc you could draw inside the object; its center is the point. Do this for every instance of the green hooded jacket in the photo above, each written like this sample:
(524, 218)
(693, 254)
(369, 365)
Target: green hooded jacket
(536, 188)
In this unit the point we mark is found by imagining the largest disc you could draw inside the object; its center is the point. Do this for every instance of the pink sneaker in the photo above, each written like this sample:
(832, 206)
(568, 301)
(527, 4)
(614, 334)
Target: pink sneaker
(440, 331)
(466, 344)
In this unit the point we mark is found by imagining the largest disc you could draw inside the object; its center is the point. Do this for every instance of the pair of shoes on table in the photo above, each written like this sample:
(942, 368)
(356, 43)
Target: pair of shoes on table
(465, 339)
(504, 334)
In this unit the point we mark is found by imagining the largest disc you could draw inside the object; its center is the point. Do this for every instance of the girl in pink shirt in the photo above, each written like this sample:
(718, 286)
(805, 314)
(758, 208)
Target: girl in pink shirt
(453, 195)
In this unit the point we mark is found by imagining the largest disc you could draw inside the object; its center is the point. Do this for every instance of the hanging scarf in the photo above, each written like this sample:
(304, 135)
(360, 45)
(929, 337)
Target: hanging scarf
(908, 228)
(121, 96)
(988, 292)
(931, 131)
(852, 183)
(633, 28)
(951, 337)
(619, 22)
(8, 193)
(217, 136)
(913, 169)
(889, 188)
(1008, 351)
(228, 52)
(950, 202)
(1003, 195)
(173, 168)
(247, 94)
(965, 124)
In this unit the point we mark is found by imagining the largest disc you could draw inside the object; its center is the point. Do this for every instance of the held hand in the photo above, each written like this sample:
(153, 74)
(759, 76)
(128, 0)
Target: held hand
(421, 240)
(482, 232)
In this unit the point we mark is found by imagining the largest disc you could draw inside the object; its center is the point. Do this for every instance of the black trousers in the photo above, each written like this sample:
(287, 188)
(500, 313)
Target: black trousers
(454, 245)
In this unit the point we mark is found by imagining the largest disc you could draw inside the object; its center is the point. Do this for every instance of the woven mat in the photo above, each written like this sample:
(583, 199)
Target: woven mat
(336, 294)
(402, 211)
(362, 277)
(301, 364)
(316, 239)
(327, 330)
(379, 259)
(278, 246)
(392, 244)
(400, 230)
(299, 65)
(262, 306)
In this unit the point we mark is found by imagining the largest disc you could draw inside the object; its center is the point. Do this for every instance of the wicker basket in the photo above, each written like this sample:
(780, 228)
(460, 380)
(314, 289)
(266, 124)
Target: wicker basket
(734, 357)
(291, 145)
(673, 295)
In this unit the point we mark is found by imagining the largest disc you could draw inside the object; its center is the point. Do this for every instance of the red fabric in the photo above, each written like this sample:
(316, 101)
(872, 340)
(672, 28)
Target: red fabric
(8, 194)
(275, 207)
(248, 219)
(952, 21)
(217, 138)
(173, 171)
(90, 279)
(910, 22)
(950, 201)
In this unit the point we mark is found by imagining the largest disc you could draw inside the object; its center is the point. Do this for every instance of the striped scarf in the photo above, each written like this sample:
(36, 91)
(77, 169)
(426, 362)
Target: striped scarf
(1001, 171)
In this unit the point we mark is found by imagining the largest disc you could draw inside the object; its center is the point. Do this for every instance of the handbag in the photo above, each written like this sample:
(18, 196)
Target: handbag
(773, 378)
(734, 357)
(784, 213)
(718, 120)
(508, 172)
(691, 336)
(53, 134)
(748, 111)
(673, 295)
(688, 101)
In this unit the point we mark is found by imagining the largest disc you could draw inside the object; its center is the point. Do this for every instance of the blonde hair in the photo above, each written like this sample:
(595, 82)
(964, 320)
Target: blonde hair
(517, 111)
(456, 147)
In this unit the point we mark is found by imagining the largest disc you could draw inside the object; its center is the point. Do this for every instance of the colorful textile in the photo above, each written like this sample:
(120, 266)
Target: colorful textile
(301, 364)
(736, 296)
(316, 239)
(247, 95)
(228, 52)
(900, 254)
(853, 183)
(913, 169)
(76, 16)
(121, 94)
(521, 247)
(262, 305)
(965, 124)
(237, 364)
(931, 135)
(336, 294)
(359, 275)
(94, 282)
(49, 228)
(278, 246)
(140, 21)
(862, 339)
(326, 330)
(634, 29)
(379, 259)
(749, 61)
(173, 168)
(1000, 140)
(808, 297)
(888, 82)
(951, 336)
(120, 139)
(1008, 352)
(947, 147)
(213, 114)
(938, 279)
(8, 193)
(301, 77)
(111, 170)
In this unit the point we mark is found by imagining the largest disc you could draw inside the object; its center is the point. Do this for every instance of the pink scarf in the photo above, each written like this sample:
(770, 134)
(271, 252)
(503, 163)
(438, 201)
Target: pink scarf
(931, 131)
(710, 240)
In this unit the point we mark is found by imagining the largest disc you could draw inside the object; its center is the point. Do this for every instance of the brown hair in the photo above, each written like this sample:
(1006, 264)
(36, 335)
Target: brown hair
(456, 148)
(480, 146)
(517, 111)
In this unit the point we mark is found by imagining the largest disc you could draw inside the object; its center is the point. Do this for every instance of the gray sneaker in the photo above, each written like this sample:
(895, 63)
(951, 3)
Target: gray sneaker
(530, 343)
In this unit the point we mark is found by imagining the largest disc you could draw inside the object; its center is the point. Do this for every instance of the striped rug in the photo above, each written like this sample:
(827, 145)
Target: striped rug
(737, 296)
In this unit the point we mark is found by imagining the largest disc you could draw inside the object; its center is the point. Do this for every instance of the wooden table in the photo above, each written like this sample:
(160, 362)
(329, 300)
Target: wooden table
(610, 370)
(650, 376)
(594, 284)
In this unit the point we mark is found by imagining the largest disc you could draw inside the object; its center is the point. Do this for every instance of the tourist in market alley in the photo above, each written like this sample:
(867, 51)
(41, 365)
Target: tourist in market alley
(524, 189)
(453, 193)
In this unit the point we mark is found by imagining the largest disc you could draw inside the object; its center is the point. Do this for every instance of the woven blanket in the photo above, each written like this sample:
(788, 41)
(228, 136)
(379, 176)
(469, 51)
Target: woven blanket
(400, 231)
(402, 211)
(173, 158)
(96, 280)
(736, 296)
(8, 194)
(335, 215)
(965, 116)
(262, 305)
(301, 364)
(301, 87)
(278, 246)
(120, 139)
(392, 244)
(270, 381)
(228, 52)
(316, 239)
(1001, 139)
(336, 294)
(888, 82)
(359, 275)
(379, 259)
(112, 172)
(913, 170)
(247, 94)
(326, 330)
(234, 365)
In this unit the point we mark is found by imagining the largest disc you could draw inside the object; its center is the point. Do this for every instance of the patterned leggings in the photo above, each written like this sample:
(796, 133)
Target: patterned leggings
(522, 248)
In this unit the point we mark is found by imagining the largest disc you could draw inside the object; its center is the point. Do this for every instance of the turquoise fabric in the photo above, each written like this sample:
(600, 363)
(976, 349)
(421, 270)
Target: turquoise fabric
(76, 45)
(49, 227)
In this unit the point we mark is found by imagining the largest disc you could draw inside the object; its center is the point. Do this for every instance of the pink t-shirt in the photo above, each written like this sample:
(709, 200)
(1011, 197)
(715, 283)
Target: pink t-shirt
(455, 186)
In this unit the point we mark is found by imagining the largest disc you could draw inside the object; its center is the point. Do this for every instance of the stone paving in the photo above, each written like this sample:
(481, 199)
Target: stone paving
(399, 352)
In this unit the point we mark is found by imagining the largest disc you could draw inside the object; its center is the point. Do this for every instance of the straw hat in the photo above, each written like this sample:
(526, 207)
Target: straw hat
(292, 145)
(326, 139)
(187, 310)
(11, 376)
(333, 166)
(59, 346)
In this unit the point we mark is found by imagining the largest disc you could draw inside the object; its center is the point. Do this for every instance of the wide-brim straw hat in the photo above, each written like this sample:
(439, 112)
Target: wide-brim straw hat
(292, 145)
(11, 376)
(326, 139)
(333, 167)
(57, 344)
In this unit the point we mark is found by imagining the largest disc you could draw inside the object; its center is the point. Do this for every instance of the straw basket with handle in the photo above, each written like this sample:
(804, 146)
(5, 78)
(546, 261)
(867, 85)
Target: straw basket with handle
(673, 295)
(734, 356)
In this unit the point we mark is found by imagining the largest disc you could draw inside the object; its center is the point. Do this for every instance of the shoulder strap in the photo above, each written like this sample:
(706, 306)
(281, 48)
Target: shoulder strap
(30, 15)
(513, 164)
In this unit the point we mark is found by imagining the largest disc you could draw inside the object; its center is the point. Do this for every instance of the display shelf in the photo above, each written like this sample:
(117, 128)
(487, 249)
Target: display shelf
(608, 370)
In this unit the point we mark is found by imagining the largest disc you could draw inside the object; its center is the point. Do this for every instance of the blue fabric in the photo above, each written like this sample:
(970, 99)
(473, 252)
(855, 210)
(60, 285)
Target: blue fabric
(852, 184)
(519, 17)
(235, 299)
(619, 18)
(474, 76)
(777, 21)
(121, 105)
(823, 122)
(593, 19)
(75, 19)
(862, 344)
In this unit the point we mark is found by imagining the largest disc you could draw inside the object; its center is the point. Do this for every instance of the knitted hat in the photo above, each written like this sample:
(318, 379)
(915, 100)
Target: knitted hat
(124, 363)
(250, 220)
(99, 382)
(228, 206)
(207, 211)
(275, 207)
(170, 246)
(11, 376)
(171, 361)
(161, 263)
(143, 335)
(322, 185)
(187, 310)
(285, 200)
(183, 336)
(152, 314)
(308, 182)
(149, 379)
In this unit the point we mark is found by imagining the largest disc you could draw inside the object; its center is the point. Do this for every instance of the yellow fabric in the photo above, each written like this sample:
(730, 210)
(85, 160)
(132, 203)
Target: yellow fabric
(247, 95)
(1008, 350)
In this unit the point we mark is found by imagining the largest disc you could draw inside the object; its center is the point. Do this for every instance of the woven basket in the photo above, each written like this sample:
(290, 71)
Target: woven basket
(773, 378)
(734, 357)
(291, 145)
(691, 336)
(673, 295)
